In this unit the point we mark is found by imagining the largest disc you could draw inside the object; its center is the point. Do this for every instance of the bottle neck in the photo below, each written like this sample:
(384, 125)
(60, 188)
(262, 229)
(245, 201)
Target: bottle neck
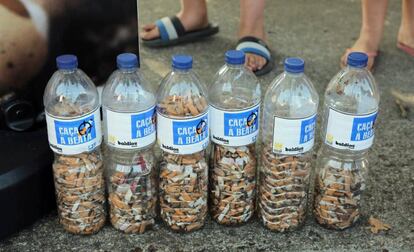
(359, 69)
(295, 75)
(181, 71)
(234, 66)
(128, 70)
(68, 71)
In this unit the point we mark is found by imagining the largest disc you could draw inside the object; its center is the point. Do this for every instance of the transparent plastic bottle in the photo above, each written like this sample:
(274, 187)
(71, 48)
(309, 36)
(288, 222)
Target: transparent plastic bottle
(183, 135)
(128, 103)
(235, 98)
(349, 114)
(288, 130)
(74, 130)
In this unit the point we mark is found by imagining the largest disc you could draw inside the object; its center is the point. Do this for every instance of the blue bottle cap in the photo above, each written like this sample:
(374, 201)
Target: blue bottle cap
(67, 62)
(127, 61)
(235, 57)
(294, 65)
(357, 59)
(182, 62)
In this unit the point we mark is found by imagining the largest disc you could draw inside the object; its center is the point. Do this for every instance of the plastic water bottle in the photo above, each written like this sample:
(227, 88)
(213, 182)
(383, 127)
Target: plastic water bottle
(350, 111)
(183, 135)
(288, 130)
(128, 102)
(74, 130)
(235, 104)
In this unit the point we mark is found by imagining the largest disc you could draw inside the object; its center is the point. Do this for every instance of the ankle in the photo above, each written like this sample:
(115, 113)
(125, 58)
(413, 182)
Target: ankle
(257, 32)
(193, 19)
(406, 32)
(367, 44)
(369, 39)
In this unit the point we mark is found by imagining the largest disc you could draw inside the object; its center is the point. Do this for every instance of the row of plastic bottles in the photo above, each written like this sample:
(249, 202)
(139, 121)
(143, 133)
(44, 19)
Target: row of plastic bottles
(184, 116)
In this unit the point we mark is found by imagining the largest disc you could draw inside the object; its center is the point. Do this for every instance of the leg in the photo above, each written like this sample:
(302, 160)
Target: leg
(406, 33)
(252, 24)
(193, 15)
(373, 17)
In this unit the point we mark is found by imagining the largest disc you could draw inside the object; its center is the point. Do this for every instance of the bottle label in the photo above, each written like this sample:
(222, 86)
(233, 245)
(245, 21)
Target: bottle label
(350, 132)
(132, 169)
(235, 128)
(293, 136)
(130, 130)
(183, 136)
(74, 136)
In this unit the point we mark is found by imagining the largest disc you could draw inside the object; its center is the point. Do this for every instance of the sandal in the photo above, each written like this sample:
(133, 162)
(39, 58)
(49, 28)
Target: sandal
(405, 48)
(257, 46)
(172, 32)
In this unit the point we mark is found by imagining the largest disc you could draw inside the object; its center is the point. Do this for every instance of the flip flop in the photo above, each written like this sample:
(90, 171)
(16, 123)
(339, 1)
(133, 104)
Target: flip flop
(172, 32)
(371, 55)
(257, 46)
(405, 48)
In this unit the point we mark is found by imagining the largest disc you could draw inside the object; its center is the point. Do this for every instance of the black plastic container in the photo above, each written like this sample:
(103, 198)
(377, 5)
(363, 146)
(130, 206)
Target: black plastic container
(26, 180)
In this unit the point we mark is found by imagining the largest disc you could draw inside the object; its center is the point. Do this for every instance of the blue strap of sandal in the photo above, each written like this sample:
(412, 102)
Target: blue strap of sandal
(170, 28)
(255, 46)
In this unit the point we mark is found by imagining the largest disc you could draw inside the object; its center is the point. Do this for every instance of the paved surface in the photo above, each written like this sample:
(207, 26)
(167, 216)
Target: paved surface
(318, 31)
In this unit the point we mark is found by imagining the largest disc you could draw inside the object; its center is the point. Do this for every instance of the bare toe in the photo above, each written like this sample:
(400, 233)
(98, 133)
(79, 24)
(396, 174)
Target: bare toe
(257, 62)
(252, 62)
(247, 63)
(261, 62)
(150, 34)
(148, 27)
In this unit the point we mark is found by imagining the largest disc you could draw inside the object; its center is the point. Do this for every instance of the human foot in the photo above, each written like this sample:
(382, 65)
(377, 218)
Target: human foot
(254, 62)
(363, 44)
(254, 47)
(191, 22)
(406, 40)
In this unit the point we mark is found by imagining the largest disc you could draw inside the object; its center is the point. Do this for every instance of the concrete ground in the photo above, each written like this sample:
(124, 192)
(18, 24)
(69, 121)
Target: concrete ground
(317, 31)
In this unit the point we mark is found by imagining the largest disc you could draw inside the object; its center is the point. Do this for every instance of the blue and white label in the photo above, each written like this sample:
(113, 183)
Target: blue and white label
(293, 136)
(345, 131)
(307, 130)
(183, 136)
(74, 136)
(130, 130)
(235, 128)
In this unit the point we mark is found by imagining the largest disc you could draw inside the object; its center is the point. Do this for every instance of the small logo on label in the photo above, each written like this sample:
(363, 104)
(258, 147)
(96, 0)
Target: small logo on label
(112, 139)
(251, 120)
(85, 127)
(278, 147)
(329, 138)
(201, 127)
